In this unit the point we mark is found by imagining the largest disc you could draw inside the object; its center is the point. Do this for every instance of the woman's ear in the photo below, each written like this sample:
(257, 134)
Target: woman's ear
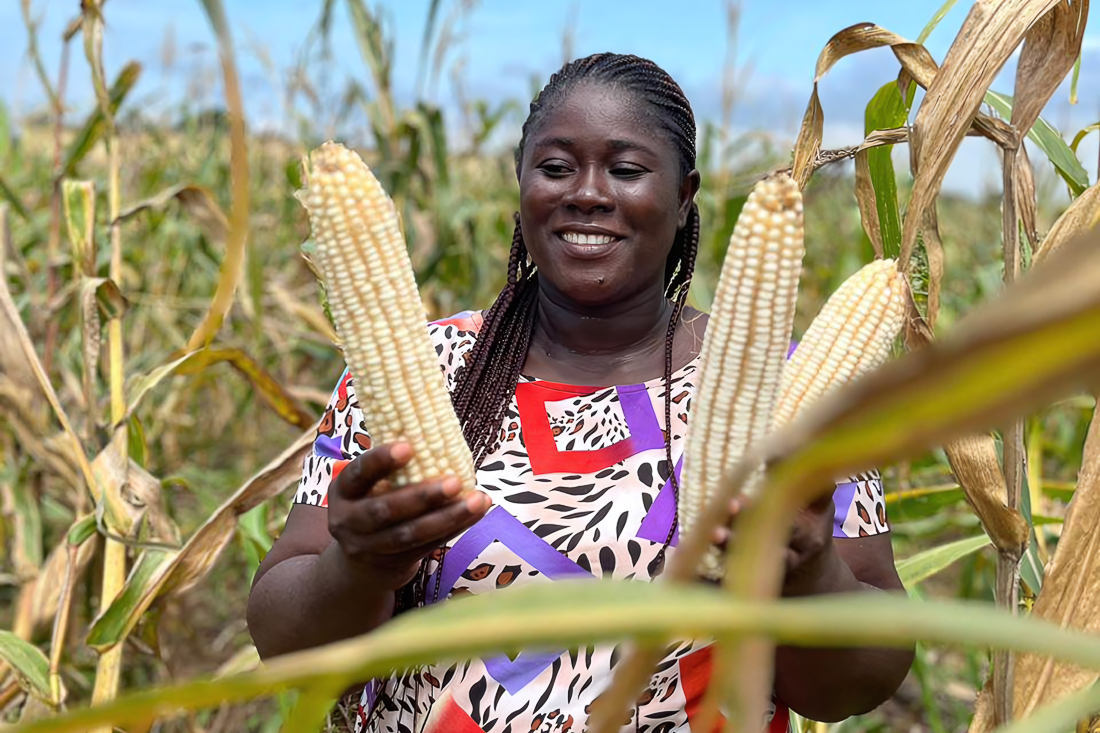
(688, 188)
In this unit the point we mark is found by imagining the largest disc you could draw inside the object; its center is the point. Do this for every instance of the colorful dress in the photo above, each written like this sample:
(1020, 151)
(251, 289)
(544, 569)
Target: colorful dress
(580, 487)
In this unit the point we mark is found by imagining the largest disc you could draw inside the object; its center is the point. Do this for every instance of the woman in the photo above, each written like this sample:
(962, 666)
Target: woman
(574, 391)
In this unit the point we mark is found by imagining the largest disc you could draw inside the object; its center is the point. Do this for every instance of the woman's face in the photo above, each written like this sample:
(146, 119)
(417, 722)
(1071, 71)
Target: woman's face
(601, 197)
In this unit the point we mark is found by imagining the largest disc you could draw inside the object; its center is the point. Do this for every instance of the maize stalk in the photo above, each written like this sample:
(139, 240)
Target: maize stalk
(745, 345)
(853, 334)
(379, 316)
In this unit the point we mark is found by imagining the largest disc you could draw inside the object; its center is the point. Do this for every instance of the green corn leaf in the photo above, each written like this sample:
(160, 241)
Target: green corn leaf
(9, 195)
(1050, 142)
(925, 564)
(115, 624)
(935, 21)
(95, 125)
(31, 667)
(569, 614)
(82, 530)
(886, 110)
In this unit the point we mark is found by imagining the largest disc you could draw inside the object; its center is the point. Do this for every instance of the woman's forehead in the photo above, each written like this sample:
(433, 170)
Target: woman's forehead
(618, 118)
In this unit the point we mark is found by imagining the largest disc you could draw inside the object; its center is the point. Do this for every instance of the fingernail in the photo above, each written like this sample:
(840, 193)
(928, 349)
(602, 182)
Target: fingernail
(401, 451)
(478, 502)
(451, 487)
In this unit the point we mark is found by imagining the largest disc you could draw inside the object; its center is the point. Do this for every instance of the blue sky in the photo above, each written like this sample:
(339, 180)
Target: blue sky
(504, 46)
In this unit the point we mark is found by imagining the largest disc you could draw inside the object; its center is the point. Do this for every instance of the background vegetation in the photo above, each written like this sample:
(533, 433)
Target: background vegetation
(195, 356)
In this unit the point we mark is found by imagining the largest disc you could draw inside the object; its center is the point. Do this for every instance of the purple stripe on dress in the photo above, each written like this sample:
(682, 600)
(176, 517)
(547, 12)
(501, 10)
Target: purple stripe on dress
(843, 497)
(328, 446)
(498, 524)
(660, 516)
(515, 675)
(641, 420)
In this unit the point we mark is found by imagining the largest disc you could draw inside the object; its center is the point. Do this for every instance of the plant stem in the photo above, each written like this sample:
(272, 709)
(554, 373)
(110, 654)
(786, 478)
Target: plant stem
(1008, 566)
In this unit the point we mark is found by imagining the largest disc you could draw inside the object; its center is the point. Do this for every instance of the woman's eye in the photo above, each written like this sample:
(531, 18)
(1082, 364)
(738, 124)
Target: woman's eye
(554, 169)
(627, 171)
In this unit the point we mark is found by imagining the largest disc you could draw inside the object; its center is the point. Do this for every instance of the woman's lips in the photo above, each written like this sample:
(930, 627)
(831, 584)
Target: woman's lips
(587, 246)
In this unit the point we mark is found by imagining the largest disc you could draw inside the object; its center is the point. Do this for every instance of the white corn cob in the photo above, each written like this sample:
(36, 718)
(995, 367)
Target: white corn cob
(379, 316)
(853, 334)
(746, 343)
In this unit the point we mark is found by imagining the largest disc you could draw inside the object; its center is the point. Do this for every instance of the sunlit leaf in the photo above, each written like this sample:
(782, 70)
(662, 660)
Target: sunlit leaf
(924, 565)
(992, 31)
(236, 240)
(571, 614)
(935, 20)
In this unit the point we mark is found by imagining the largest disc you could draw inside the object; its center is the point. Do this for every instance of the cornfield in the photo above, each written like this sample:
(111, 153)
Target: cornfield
(165, 351)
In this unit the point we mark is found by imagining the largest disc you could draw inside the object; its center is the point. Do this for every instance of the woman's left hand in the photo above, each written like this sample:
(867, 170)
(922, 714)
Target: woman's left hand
(809, 545)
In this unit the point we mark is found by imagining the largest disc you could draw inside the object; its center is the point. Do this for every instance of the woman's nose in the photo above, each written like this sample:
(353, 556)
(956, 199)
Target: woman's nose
(590, 191)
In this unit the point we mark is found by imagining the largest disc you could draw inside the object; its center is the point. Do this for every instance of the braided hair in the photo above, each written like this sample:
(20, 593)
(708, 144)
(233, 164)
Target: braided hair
(485, 385)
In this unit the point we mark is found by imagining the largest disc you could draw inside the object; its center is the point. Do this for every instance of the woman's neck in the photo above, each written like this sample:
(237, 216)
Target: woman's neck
(622, 344)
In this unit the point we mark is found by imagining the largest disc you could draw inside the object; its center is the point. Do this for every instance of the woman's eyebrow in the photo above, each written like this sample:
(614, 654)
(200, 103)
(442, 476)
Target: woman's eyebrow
(568, 142)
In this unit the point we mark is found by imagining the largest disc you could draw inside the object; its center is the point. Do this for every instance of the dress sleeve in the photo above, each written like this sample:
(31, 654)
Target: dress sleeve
(341, 437)
(860, 506)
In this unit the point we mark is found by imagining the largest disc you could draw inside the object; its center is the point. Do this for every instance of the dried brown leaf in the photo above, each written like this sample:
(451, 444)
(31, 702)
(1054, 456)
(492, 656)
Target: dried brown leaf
(1051, 47)
(130, 499)
(992, 31)
(1023, 180)
(1082, 215)
(974, 461)
(868, 210)
(933, 249)
(198, 202)
(1070, 597)
(178, 571)
(851, 40)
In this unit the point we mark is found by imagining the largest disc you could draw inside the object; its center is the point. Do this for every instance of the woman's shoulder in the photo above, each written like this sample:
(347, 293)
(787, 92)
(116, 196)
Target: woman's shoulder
(453, 338)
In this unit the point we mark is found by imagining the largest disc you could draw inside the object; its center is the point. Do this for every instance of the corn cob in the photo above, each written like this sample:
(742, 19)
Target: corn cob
(853, 334)
(379, 316)
(745, 345)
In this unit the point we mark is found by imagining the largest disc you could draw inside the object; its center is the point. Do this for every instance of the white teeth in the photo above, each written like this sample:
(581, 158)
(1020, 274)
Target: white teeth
(575, 238)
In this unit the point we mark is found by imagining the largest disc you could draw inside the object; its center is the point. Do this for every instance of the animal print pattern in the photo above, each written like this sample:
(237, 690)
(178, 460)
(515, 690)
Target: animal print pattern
(598, 503)
(587, 423)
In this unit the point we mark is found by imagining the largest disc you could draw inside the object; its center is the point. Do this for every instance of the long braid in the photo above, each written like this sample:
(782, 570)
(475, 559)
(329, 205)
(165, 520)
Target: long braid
(677, 291)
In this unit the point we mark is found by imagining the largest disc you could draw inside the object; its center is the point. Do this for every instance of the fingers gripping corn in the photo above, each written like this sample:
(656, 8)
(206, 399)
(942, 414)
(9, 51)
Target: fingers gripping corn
(745, 345)
(379, 315)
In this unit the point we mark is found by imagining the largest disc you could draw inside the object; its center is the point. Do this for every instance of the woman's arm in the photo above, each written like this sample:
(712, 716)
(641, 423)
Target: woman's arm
(333, 573)
(832, 684)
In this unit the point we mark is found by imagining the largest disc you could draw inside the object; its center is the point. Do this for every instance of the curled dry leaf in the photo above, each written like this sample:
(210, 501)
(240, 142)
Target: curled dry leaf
(176, 571)
(973, 459)
(1070, 597)
(1081, 216)
(198, 202)
(868, 206)
(130, 498)
(992, 31)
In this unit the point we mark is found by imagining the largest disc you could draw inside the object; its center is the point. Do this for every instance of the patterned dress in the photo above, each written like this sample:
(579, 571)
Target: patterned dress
(580, 487)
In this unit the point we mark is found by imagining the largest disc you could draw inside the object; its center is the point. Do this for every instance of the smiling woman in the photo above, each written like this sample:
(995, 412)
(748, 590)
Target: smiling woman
(574, 392)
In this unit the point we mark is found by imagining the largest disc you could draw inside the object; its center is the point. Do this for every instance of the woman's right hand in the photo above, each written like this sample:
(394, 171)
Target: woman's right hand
(383, 531)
